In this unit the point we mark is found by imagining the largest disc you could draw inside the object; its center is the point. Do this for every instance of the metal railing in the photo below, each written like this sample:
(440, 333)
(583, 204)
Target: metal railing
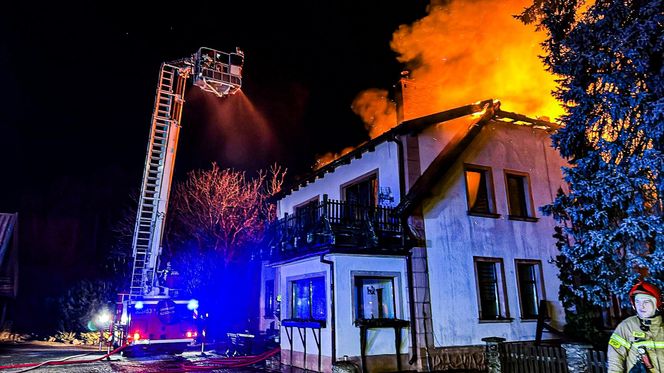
(335, 224)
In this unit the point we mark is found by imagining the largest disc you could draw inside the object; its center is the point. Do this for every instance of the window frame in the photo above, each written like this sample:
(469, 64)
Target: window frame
(358, 295)
(527, 197)
(360, 179)
(290, 281)
(501, 285)
(491, 192)
(539, 284)
(269, 299)
(304, 220)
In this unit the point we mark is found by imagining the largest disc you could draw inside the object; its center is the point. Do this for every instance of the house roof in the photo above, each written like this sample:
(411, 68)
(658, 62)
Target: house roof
(414, 126)
(453, 150)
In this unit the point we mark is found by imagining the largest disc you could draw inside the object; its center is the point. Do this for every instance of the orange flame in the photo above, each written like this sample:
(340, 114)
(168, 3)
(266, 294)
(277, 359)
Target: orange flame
(326, 158)
(470, 50)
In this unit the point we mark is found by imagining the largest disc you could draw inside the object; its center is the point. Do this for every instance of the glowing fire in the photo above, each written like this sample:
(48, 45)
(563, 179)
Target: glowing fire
(465, 51)
(459, 53)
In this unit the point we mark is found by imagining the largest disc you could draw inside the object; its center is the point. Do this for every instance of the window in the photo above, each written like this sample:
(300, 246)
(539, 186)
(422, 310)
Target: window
(308, 301)
(374, 297)
(518, 196)
(491, 292)
(531, 289)
(268, 305)
(307, 213)
(362, 192)
(479, 190)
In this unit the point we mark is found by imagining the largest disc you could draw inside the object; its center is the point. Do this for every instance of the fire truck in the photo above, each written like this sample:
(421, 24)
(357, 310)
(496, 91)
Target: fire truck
(151, 316)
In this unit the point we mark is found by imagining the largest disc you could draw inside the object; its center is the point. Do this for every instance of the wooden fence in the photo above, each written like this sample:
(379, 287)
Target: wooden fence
(528, 358)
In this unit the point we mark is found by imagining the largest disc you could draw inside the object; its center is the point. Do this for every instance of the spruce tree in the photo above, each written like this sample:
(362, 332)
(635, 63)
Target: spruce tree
(608, 58)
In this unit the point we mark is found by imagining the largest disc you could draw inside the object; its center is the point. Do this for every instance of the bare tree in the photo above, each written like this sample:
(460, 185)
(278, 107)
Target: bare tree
(224, 211)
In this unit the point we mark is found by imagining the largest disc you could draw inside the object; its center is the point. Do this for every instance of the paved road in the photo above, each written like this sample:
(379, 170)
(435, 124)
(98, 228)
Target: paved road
(39, 352)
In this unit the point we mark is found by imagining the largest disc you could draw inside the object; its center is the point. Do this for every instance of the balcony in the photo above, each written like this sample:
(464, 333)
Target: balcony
(334, 226)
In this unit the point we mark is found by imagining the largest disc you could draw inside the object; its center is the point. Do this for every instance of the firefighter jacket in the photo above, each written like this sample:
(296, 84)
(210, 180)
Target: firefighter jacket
(629, 338)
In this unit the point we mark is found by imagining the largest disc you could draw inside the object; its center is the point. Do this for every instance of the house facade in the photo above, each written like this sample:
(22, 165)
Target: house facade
(407, 251)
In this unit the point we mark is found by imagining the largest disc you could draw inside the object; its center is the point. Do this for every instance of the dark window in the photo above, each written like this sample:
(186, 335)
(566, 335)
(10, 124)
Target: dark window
(307, 214)
(529, 277)
(308, 300)
(490, 289)
(374, 297)
(518, 195)
(479, 190)
(362, 192)
(269, 298)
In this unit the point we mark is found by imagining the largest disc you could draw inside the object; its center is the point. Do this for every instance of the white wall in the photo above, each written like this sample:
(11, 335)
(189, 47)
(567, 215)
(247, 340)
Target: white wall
(305, 267)
(453, 237)
(379, 341)
(385, 159)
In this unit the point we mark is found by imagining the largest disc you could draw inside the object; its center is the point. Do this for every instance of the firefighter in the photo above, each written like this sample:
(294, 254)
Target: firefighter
(637, 344)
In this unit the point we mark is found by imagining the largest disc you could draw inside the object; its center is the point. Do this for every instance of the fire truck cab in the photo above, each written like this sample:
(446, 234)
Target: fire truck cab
(157, 324)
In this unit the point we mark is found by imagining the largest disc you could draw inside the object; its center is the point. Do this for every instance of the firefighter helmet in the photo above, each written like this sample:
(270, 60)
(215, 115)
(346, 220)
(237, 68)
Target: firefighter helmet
(643, 287)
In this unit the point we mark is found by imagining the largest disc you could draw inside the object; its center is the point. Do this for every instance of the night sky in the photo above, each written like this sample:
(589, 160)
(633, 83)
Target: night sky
(78, 84)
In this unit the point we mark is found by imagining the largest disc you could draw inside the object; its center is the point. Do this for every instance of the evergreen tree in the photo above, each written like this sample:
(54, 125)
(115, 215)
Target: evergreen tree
(608, 57)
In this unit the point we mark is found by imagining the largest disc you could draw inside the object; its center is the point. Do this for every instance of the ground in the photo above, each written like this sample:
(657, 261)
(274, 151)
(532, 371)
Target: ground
(12, 354)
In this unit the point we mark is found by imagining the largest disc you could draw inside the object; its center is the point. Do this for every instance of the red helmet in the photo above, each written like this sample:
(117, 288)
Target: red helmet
(643, 287)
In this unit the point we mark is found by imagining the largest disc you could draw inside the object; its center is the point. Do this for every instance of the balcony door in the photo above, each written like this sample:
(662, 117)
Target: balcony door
(360, 197)
(362, 192)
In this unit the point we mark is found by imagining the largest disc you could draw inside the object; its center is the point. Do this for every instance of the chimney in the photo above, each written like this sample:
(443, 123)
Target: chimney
(413, 99)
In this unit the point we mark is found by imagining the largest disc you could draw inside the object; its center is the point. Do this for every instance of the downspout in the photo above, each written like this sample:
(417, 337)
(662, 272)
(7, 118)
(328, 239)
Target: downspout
(407, 246)
(332, 312)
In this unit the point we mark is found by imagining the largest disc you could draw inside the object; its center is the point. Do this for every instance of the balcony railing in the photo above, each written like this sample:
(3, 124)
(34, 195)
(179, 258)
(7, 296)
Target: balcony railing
(335, 225)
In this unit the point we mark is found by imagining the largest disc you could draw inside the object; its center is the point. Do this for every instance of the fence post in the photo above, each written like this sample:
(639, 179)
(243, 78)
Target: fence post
(577, 357)
(492, 353)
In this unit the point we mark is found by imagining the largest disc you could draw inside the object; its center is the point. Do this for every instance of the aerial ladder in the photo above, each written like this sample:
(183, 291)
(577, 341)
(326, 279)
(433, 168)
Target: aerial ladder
(213, 71)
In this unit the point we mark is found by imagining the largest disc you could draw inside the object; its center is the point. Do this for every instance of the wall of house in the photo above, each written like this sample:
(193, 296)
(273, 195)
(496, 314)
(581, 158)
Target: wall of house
(292, 271)
(379, 341)
(266, 319)
(454, 237)
(384, 158)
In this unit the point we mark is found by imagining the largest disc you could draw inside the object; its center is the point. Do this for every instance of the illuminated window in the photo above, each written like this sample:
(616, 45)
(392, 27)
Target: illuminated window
(491, 292)
(479, 190)
(518, 195)
(308, 301)
(374, 297)
(531, 289)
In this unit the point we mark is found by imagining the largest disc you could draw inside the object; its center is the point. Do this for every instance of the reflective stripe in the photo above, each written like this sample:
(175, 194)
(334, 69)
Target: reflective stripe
(619, 341)
(652, 345)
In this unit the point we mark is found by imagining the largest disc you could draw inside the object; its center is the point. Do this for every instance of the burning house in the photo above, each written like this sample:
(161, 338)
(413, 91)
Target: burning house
(411, 248)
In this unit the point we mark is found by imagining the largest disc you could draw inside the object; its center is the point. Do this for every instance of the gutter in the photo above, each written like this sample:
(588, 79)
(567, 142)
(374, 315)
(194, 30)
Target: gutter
(332, 312)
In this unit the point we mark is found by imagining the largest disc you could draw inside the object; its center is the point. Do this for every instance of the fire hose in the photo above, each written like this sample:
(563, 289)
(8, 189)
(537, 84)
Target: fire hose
(188, 366)
(64, 361)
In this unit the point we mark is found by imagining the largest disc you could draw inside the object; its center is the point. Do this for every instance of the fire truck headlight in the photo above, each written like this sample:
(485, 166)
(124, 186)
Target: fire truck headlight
(192, 305)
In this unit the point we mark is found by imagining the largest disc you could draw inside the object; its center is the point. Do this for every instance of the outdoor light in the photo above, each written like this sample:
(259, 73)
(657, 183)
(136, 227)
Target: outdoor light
(138, 305)
(192, 305)
(104, 318)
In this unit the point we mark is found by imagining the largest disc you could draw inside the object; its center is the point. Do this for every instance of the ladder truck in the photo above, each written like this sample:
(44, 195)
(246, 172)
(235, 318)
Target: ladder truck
(150, 317)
